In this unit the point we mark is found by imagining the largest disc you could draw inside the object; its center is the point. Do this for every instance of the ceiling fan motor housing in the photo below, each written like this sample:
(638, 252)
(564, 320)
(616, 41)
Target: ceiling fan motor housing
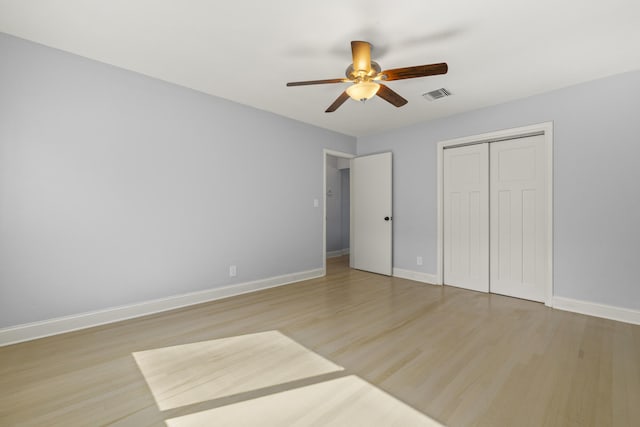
(359, 75)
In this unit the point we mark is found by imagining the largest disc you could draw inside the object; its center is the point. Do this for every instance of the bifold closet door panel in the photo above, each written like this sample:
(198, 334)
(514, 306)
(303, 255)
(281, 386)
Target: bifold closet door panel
(466, 217)
(518, 206)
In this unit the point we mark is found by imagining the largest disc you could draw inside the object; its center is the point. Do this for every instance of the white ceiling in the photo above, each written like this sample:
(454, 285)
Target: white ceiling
(246, 50)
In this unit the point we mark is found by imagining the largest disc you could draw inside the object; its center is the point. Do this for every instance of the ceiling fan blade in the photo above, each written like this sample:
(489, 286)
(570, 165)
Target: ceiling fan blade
(318, 82)
(337, 103)
(361, 52)
(391, 96)
(413, 72)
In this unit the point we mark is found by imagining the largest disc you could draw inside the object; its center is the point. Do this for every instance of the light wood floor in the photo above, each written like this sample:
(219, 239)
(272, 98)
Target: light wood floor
(462, 358)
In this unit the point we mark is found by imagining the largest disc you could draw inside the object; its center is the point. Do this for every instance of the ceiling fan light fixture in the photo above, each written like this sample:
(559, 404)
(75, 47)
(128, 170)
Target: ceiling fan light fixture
(362, 91)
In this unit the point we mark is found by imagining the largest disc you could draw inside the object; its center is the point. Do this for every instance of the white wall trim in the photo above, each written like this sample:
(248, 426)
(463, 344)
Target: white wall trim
(337, 253)
(30, 331)
(418, 276)
(547, 129)
(598, 310)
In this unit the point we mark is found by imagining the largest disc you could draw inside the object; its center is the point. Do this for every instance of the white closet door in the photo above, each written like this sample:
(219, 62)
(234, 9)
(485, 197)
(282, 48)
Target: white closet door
(466, 217)
(518, 203)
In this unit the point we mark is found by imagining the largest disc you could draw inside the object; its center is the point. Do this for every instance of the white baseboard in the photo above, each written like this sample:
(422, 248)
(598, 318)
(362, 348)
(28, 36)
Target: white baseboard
(598, 310)
(339, 252)
(30, 331)
(415, 275)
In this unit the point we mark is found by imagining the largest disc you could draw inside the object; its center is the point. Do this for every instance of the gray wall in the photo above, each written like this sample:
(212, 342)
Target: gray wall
(116, 188)
(596, 184)
(345, 206)
(334, 197)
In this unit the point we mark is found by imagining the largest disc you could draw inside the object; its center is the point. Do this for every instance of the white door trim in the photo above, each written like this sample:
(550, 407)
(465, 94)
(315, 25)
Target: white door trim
(326, 152)
(540, 128)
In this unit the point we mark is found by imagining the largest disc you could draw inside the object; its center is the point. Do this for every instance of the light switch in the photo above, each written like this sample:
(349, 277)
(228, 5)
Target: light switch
(316, 203)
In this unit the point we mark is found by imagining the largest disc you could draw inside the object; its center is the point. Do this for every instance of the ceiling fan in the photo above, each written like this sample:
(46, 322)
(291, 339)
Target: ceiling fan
(365, 75)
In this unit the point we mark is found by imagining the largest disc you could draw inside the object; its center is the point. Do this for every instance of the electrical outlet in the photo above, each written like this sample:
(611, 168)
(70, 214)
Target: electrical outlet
(233, 271)
(419, 260)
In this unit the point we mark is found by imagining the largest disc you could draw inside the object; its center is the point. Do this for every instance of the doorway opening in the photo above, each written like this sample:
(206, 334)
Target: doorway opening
(337, 205)
(337, 209)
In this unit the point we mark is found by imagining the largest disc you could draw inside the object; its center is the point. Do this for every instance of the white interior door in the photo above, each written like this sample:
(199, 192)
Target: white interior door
(518, 203)
(371, 213)
(466, 217)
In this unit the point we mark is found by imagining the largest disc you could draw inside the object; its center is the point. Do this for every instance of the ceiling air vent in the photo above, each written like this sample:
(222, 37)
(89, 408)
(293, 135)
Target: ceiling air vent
(437, 94)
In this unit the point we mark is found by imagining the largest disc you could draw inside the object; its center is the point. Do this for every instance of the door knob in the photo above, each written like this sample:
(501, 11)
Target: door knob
(386, 218)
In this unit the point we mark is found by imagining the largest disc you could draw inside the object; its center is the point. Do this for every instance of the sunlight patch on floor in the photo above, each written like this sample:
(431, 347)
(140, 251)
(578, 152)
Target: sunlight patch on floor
(346, 401)
(202, 371)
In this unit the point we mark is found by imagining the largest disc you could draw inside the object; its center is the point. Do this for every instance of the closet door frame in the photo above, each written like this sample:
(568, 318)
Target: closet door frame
(545, 129)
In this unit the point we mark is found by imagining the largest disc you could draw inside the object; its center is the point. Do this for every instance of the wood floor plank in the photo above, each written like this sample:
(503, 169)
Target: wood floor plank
(462, 358)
